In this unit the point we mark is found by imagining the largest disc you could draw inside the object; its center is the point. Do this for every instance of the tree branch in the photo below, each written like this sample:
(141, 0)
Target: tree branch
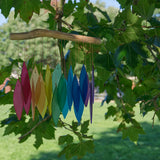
(54, 34)
(29, 132)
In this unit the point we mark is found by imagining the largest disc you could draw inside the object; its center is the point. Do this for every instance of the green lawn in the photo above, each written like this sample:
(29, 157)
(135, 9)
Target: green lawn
(108, 144)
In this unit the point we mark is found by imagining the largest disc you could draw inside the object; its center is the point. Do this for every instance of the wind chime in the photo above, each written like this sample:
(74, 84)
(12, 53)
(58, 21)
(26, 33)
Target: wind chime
(56, 94)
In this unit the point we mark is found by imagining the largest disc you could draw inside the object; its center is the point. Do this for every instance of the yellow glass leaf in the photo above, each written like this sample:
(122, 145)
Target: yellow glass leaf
(49, 93)
(38, 90)
(42, 103)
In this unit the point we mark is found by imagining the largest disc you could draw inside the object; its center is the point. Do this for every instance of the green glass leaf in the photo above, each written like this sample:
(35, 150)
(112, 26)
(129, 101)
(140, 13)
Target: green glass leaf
(55, 107)
(62, 92)
(56, 75)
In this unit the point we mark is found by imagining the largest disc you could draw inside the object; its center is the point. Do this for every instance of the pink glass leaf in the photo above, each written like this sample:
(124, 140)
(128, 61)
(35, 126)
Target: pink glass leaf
(18, 99)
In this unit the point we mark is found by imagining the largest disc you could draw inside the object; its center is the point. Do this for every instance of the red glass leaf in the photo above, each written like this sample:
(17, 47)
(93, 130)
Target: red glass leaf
(26, 88)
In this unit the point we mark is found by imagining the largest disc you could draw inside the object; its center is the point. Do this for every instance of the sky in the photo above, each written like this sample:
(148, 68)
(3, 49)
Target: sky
(108, 3)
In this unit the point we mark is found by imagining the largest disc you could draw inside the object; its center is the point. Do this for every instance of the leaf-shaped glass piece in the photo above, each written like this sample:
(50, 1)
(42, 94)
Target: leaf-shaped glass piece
(66, 107)
(80, 111)
(69, 87)
(83, 84)
(18, 99)
(42, 103)
(33, 82)
(38, 90)
(33, 101)
(62, 92)
(88, 92)
(26, 88)
(55, 107)
(56, 75)
(48, 83)
(76, 93)
(34, 77)
(91, 102)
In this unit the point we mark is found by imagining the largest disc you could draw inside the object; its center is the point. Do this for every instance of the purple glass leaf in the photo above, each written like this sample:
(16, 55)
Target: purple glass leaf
(88, 92)
(76, 93)
(92, 84)
(91, 102)
(69, 87)
(83, 84)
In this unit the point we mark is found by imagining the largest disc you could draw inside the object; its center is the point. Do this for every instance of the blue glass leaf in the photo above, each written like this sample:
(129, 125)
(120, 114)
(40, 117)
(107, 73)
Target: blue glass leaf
(83, 83)
(76, 93)
(69, 87)
(66, 107)
(80, 111)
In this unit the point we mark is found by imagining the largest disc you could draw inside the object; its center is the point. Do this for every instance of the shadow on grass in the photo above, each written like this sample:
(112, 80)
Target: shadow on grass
(110, 146)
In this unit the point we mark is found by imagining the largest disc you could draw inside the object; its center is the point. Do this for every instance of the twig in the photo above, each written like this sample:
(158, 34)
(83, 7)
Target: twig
(54, 34)
(156, 59)
(29, 132)
(153, 119)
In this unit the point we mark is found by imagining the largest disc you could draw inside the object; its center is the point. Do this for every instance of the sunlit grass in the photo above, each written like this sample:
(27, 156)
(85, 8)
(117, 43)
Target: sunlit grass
(108, 144)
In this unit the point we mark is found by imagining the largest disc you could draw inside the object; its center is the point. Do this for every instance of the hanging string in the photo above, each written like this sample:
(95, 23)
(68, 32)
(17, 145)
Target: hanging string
(42, 58)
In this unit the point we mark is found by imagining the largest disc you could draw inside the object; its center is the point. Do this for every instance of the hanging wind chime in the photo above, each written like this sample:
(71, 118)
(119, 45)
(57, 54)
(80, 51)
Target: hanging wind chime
(55, 94)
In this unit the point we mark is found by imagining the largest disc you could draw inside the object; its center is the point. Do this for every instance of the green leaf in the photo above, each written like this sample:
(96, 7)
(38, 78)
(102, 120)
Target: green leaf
(129, 97)
(131, 57)
(77, 149)
(38, 141)
(137, 47)
(132, 132)
(84, 127)
(74, 126)
(125, 3)
(26, 8)
(5, 6)
(105, 61)
(111, 112)
(68, 139)
(145, 8)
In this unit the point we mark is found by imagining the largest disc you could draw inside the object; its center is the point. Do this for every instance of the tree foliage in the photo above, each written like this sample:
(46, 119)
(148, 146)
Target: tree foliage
(129, 52)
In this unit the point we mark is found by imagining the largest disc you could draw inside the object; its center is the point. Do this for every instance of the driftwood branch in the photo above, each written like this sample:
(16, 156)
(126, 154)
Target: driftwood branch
(54, 34)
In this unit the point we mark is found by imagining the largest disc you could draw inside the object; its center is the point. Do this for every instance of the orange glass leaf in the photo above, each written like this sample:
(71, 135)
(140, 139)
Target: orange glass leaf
(18, 99)
(49, 93)
(34, 77)
(33, 101)
(33, 82)
(42, 102)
